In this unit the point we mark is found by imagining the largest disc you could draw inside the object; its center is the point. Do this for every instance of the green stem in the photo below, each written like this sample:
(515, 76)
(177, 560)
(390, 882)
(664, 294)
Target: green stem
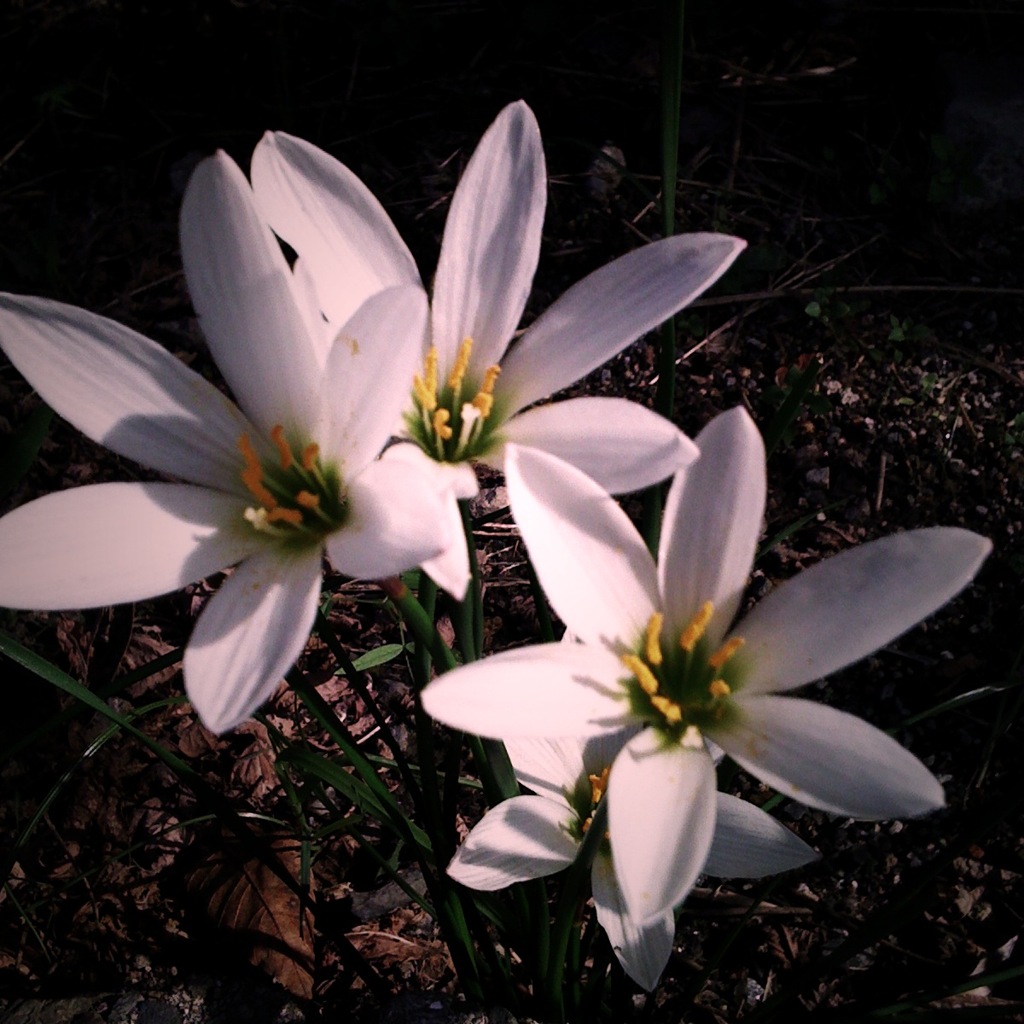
(420, 622)
(474, 596)
(575, 886)
(671, 94)
(355, 679)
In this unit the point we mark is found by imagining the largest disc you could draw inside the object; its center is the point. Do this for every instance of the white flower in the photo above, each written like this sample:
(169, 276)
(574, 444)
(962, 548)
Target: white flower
(468, 400)
(270, 483)
(532, 836)
(656, 649)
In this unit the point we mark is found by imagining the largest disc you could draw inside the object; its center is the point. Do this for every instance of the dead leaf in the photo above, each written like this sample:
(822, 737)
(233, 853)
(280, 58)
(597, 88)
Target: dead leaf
(243, 896)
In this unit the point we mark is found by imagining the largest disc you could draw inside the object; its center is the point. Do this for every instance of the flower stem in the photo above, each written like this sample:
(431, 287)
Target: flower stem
(575, 886)
(671, 92)
(355, 679)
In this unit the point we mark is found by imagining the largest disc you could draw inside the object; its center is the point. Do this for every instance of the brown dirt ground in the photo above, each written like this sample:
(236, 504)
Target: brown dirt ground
(795, 136)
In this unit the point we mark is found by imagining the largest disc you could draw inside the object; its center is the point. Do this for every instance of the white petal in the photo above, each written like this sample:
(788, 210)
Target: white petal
(124, 391)
(456, 478)
(541, 690)
(711, 524)
(590, 560)
(450, 569)
(332, 220)
(552, 768)
(619, 444)
(661, 817)
(396, 520)
(369, 373)
(491, 242)
(847, 606)
(250, 634)
(109, 543)
(828, 759)
(642, 949)
(241, 290)
(749, 843)
(522, 838)
(613, 306)
(320, 331)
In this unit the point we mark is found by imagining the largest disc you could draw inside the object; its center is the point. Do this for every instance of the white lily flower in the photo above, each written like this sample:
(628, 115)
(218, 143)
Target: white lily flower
(532, 836)
(269, 483)
(471, 396)
(657, 650)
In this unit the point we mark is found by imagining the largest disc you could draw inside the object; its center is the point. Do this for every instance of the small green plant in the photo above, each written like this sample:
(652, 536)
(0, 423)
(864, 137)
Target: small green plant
(1014, 435)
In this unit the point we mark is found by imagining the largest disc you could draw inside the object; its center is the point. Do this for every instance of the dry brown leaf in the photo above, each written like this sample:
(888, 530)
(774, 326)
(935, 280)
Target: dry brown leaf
(243, 896)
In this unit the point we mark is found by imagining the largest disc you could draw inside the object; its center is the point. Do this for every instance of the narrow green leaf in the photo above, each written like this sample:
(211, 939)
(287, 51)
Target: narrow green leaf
(19, 450)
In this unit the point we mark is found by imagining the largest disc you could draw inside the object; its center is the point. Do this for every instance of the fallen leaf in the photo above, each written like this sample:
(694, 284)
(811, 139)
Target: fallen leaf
(243, 896)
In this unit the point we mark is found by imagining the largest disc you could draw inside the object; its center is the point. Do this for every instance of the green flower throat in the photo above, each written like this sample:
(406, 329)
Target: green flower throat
(447, 424)
(684, 683)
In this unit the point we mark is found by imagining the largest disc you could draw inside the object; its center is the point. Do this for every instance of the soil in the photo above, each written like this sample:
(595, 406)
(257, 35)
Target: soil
(830, 135)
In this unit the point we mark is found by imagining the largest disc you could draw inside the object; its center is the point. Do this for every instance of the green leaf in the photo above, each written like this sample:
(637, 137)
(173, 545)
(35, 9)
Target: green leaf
(19, 451)
(379, 656)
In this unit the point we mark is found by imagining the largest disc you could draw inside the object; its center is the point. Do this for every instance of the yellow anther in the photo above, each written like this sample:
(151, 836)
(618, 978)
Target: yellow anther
(277, 436)
(695, 627)
(719, 688)
(309, 456)
(669, 708)
(652, 639)
(644, 676)
(461, 364)
(252, 475)
(725, 652)
(598, 784)
(441, 428)
(490, 379)
(292, 516)
(425, 387)
(307, 500)
(483, 402)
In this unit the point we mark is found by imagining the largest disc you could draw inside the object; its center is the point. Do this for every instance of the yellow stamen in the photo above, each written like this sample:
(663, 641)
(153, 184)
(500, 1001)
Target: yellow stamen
(441, 428)
(309, 456)
(425, 387)
(461, 364)
(719, 688)
(644, 676)
(252, 475)
(725, 652)
(292, 516)
(485, 403)
(598, 784)
(695, 627)
(669, 708)
(489, 379)
(307, 500)
(652, 639)
(277, 436)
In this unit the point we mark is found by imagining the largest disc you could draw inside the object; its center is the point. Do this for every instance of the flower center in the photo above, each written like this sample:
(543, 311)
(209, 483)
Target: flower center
(686, 684)
(587, 794)
(300, 498)
(447, 426)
